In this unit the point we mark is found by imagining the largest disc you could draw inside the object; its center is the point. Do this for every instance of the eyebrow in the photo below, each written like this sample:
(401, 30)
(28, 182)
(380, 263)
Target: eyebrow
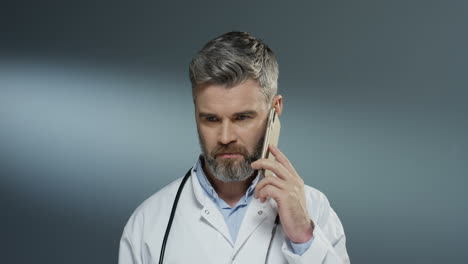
(247, 112)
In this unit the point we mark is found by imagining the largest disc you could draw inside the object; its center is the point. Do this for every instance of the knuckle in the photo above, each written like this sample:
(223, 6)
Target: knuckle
(291, 195)
(276, 181)
(277, 166)
(261, 193)
(296, 189)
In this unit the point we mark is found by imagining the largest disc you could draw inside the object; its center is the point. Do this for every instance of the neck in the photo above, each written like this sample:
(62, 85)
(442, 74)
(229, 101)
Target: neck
(230, 192)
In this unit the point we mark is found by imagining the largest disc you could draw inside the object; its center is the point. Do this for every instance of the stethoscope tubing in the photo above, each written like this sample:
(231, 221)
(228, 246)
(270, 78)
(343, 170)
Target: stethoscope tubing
(171, 218)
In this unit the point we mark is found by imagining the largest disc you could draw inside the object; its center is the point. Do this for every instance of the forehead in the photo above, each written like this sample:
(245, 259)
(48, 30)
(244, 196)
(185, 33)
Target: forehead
(221, 100)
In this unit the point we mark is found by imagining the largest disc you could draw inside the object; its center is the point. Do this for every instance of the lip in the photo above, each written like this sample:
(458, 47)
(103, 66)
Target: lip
(229, 155)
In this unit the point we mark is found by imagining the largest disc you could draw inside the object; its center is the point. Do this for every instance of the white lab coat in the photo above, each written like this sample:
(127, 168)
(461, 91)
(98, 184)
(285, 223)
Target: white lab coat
(199, 233)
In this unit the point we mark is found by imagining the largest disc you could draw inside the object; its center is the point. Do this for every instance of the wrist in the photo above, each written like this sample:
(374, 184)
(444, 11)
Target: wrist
(305, 233)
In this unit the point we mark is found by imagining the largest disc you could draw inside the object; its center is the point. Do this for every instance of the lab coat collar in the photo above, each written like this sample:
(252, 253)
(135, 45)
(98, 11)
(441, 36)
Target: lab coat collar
(197, 189)
(257, 213)
(208, 210)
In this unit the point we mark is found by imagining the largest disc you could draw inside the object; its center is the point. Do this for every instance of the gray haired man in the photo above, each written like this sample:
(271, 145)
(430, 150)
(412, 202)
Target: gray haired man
(228, 212)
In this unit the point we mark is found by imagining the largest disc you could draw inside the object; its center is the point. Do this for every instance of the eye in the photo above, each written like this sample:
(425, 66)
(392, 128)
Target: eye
(211, 119)
(243, 117)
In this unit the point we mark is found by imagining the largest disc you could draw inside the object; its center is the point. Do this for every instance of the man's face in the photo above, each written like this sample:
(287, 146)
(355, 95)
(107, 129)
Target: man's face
(231, 125)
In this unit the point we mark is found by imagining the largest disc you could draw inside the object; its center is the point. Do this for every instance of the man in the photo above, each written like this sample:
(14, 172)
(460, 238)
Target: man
(227, 211)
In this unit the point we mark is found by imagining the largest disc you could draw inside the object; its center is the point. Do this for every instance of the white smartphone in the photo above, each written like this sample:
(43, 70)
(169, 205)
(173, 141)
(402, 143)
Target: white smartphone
(271, 137)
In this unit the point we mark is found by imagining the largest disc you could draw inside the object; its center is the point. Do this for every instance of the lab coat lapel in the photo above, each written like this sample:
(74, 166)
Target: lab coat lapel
(256, 214)
(213, 216)
(209, 212)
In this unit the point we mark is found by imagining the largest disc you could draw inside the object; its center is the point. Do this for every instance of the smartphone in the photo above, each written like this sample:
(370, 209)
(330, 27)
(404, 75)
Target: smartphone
(271, 138)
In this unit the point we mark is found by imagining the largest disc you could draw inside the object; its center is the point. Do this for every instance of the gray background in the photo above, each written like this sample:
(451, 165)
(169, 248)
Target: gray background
(96, 115)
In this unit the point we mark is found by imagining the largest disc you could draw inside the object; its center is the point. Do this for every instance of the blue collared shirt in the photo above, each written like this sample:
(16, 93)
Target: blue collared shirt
(234, 215)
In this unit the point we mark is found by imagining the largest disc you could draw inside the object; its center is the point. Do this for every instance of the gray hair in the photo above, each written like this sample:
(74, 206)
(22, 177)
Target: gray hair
(231, 59)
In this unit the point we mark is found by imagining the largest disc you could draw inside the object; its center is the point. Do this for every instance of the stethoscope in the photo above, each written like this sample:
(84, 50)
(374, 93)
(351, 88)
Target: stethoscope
(171, 218)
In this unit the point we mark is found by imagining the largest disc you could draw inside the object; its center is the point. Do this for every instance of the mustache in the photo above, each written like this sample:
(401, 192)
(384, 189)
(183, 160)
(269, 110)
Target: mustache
(223, 149)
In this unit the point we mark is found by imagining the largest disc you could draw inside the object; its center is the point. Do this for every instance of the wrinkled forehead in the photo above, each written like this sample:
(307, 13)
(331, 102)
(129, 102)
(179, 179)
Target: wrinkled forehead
(222, 100)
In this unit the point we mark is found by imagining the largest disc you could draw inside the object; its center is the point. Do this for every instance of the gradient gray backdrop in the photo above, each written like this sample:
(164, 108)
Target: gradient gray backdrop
(96, 115)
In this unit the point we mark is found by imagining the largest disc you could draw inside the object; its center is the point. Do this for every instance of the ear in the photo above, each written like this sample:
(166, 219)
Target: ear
(278, 104)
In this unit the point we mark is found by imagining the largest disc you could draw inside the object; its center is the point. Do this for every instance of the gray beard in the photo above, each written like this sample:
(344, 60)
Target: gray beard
(228, 171)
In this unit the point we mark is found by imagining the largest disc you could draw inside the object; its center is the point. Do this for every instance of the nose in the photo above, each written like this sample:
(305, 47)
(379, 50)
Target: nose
(227, 134)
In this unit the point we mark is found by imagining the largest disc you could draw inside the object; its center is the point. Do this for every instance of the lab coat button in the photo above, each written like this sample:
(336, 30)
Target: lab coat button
(260, 212)
(207, 212)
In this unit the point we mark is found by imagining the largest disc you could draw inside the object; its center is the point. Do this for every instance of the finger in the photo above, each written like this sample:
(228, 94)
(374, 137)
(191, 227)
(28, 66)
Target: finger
(276, 167)
(275, 181)
(281, 158)
(270, 191)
